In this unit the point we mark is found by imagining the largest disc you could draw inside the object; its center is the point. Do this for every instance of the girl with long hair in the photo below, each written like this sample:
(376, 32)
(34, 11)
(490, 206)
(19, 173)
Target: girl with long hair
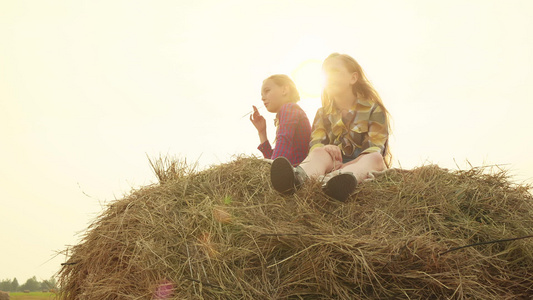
(349, 137)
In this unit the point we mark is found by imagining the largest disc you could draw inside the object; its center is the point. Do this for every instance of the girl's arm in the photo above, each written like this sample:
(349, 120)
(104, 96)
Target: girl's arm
(378, 131)
(289, 116)
(266, 149)
(260, 124)
(319, 135)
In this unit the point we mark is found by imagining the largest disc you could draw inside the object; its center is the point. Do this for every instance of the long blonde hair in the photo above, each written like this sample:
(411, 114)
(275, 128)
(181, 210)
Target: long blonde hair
(361, 89)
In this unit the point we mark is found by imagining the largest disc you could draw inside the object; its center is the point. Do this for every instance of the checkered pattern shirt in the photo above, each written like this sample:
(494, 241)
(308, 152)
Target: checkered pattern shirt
(293, 135)
(363, 130)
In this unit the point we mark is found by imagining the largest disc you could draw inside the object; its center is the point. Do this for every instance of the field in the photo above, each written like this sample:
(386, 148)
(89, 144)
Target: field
(31, 296)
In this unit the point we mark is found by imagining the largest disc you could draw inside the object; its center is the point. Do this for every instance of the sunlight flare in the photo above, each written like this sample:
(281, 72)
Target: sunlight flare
(308, 78)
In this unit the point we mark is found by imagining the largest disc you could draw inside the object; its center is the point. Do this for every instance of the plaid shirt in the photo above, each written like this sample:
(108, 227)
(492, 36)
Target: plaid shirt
(363, 130)
(293, 134)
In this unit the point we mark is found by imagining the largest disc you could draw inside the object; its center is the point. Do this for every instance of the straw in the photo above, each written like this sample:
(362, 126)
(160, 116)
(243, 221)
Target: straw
(259, 108)
(223, 233)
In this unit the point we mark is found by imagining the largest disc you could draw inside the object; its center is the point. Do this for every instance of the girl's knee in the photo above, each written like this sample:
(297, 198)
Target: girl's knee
(376, 160)
(318, 162)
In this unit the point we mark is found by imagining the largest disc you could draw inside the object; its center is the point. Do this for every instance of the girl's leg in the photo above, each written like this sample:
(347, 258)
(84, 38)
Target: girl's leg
(318, 162)
(361, 166)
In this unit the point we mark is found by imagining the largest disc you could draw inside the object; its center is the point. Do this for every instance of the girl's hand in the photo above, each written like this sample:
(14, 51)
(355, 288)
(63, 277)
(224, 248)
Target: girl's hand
(258, 120)
(260, 124)
(336, 156)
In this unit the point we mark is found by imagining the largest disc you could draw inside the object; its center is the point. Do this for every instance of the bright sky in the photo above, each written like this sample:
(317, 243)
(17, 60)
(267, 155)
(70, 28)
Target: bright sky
(89, 89)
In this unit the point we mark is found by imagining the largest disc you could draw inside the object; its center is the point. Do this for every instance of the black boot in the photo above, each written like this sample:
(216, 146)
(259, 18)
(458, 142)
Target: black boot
(341, 186)
(286, 179)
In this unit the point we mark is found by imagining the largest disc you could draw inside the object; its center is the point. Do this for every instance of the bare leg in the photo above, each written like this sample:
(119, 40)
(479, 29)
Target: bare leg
(361, 166)
(318, 162)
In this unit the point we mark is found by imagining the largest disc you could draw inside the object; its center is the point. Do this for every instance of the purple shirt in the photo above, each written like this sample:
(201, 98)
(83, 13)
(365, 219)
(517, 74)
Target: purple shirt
(293, 135)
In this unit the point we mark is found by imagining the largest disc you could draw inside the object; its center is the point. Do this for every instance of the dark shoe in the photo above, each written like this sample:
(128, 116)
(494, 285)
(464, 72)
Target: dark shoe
(340, 186)
(286, 179)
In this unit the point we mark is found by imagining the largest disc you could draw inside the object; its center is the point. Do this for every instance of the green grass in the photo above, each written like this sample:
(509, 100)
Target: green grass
(31, 296)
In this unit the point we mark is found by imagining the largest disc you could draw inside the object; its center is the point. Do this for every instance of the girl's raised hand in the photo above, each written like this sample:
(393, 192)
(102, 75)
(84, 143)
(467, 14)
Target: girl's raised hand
(258, 120)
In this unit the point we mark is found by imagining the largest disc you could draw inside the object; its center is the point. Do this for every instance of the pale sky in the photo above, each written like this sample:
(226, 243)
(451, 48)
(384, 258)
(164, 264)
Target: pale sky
(89, 89)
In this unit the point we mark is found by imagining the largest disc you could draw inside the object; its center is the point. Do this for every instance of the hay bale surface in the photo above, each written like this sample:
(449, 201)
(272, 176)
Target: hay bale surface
(4, 295)
(223, 233)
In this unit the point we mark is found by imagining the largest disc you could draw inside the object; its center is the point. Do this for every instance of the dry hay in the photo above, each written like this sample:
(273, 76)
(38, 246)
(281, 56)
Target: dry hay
(4, 295)
(223, 233)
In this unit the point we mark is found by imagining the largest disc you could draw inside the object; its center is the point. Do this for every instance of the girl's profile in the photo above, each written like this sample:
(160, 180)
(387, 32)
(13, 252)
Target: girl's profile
(293, 131)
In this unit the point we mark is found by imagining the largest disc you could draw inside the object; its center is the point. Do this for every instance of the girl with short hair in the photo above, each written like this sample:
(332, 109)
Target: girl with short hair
(293, 130)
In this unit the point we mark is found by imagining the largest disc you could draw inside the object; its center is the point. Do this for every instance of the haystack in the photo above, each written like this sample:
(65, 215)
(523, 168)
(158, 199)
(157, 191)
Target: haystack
(223, 233)
(4, 295)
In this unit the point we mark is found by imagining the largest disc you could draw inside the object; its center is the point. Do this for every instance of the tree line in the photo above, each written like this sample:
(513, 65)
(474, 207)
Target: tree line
(32, 285)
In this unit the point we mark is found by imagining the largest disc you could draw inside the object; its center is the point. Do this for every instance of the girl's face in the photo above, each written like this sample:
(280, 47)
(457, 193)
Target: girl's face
(273, 95)
(339, 80)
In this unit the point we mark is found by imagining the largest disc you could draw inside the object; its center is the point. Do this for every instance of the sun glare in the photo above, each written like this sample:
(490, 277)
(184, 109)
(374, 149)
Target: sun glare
(303, 63)
(308, 78)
